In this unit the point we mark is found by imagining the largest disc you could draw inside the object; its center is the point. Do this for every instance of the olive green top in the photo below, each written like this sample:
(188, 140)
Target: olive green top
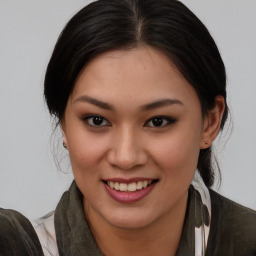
(232, 230)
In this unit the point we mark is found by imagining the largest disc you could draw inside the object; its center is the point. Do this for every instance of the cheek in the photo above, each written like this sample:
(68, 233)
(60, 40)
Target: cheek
(86, 151)
(178, 153)
(86, 157)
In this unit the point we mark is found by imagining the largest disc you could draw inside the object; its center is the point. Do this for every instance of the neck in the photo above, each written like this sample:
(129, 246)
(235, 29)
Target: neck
(160, 238)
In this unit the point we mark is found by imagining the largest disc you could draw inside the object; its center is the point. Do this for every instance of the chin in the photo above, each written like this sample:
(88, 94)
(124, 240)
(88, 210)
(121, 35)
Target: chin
(130, 219)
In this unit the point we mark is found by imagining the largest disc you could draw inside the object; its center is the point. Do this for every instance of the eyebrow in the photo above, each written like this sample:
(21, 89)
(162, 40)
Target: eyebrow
(161, 103)
(98, 103)
(146, 107)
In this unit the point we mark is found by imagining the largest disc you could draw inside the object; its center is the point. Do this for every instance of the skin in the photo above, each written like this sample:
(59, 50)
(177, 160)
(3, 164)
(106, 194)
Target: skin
(127, 145)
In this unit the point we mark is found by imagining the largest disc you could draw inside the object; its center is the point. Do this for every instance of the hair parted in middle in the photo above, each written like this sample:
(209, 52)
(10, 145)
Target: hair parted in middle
(167, 25)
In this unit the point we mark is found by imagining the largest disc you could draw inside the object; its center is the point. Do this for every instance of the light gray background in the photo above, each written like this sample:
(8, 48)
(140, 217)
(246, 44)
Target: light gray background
(29, 179)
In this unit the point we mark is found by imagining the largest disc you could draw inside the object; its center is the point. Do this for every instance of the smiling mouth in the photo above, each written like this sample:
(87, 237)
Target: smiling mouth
(129, 187)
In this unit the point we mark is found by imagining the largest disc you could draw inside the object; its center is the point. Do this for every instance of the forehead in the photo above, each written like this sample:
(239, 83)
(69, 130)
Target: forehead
(137, 75)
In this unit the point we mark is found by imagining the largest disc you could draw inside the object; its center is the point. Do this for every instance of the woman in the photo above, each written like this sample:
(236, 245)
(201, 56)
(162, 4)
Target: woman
(139, 91)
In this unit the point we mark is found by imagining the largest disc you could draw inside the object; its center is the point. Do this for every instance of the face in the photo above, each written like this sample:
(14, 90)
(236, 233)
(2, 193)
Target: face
(133, 127)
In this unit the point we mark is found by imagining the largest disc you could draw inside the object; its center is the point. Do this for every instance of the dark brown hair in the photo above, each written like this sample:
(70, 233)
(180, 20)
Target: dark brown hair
(167, 25)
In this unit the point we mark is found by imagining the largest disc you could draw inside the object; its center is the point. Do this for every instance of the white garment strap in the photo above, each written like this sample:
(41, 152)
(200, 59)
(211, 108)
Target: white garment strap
(45, 230)
(202, 233)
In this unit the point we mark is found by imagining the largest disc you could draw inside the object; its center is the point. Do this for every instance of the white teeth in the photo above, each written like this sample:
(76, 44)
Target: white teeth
(117, 186)
(111, 184)
(139, 185)
(144, 184)
(131, 187)
(123, 187)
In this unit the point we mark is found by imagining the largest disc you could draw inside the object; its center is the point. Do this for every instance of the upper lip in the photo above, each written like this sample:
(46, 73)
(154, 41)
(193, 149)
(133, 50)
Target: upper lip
(122, 180)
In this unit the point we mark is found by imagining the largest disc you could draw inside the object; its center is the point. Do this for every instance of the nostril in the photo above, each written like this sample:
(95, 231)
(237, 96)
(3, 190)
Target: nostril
(126, 160)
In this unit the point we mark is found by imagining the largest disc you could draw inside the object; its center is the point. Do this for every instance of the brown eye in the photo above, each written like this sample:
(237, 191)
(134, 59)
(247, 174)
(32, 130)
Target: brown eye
(160, 121)
(157, 121)
(96, 121)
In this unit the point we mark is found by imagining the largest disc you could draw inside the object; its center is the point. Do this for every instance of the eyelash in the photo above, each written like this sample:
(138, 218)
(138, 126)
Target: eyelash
(89, 118)
(164, 121)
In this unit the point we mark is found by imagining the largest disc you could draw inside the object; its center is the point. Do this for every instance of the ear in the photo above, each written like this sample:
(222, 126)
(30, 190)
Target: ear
(212, 122)
(63, 131)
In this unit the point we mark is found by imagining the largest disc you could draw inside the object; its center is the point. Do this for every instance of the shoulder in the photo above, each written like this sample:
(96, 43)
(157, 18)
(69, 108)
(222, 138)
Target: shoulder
(17, 236)
(231, 211)
(233, 227)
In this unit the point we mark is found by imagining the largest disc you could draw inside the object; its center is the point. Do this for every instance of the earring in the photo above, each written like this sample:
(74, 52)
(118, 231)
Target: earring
(64, 145)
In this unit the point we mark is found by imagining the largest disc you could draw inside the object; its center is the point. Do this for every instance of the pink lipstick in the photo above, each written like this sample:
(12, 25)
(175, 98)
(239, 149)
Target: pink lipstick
(129, 191)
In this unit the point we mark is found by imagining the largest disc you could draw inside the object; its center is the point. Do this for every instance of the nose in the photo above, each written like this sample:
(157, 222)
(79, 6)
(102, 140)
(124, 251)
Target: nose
(127, 150)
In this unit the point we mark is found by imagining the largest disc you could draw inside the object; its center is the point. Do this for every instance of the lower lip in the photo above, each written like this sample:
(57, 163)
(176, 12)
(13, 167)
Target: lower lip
(129, 197)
